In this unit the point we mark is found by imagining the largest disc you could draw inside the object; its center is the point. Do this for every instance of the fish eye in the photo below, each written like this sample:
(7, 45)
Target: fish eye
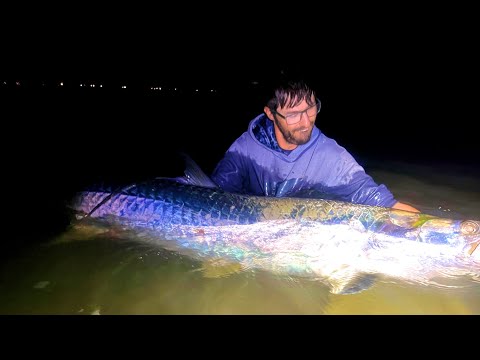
(469, 227)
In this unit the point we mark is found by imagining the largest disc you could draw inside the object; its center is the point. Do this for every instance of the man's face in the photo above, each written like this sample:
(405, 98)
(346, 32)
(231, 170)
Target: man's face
(296, 123)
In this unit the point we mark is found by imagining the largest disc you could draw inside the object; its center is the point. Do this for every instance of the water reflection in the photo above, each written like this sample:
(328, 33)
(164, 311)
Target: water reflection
(116, 277)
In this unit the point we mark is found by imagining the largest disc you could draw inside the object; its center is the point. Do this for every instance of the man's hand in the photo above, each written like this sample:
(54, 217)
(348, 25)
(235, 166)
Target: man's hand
(401, 206)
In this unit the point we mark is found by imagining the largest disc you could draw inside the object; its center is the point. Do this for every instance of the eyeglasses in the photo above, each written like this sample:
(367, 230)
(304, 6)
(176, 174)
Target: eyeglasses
(295, 117)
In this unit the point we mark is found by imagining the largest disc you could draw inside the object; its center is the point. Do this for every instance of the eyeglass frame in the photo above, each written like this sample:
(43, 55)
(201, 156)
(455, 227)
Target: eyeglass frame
(318, 103)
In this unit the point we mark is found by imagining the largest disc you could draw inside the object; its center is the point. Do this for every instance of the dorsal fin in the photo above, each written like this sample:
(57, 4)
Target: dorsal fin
(194, 175)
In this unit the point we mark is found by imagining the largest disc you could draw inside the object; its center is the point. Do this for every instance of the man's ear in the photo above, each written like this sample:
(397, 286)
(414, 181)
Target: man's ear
(268, 112)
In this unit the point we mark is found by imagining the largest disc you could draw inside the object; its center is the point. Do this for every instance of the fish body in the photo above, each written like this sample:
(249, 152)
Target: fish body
(344, 245)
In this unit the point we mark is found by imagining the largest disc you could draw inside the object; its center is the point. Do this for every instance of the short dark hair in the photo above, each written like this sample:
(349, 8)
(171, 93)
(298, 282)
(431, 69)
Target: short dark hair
(291, 92)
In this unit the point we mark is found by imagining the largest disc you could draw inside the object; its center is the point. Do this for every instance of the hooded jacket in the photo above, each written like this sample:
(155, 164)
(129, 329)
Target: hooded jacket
(256, 165)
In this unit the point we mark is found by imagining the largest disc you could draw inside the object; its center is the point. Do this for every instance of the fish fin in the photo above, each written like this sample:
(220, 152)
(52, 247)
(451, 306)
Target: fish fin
(81, 230)
(194, 175)
(218, 268)
(351, 283)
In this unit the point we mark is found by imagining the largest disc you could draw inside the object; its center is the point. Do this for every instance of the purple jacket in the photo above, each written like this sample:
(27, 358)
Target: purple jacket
(255, 165)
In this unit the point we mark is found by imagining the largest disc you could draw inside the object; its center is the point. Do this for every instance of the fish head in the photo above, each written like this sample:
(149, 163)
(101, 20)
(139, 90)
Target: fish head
(470, 230)
(448, 231)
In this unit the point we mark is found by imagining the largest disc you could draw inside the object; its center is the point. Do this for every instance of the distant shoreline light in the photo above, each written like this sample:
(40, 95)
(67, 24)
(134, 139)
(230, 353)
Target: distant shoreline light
(136, 85)
(94, 84)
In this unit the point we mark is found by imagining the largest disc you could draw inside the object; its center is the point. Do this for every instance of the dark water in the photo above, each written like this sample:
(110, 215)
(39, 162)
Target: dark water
(63, 142)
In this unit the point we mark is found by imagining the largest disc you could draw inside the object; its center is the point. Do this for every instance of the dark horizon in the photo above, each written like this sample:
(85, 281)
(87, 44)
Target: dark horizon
(428, 121)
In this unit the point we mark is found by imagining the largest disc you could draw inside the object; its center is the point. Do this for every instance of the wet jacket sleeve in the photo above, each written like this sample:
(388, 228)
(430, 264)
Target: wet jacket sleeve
(357, 186)
(229, 174)
(363, 190)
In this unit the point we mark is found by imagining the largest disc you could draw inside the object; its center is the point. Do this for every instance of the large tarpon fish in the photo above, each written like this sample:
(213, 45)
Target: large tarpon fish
(344, 245)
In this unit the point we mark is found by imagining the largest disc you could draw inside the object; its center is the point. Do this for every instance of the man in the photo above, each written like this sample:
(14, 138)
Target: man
(283, 153)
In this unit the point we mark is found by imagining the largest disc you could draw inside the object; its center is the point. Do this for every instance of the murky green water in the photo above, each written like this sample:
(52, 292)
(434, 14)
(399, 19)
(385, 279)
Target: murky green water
(105, 275)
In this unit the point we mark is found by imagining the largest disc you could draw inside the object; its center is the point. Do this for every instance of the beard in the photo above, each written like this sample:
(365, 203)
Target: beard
(296, 136)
